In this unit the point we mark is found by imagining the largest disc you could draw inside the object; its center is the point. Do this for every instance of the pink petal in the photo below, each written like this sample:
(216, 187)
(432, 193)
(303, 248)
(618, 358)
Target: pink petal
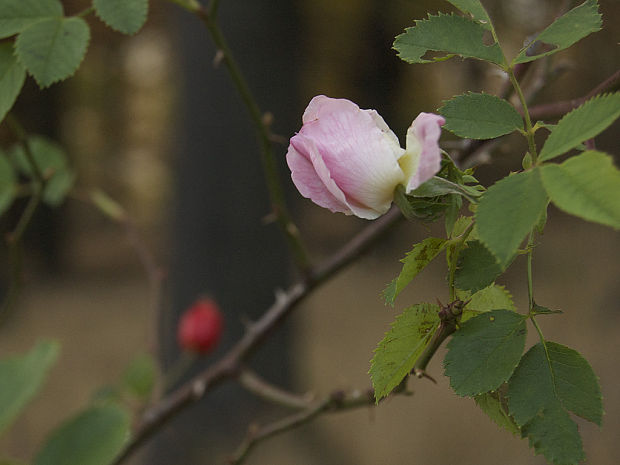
(422, 159)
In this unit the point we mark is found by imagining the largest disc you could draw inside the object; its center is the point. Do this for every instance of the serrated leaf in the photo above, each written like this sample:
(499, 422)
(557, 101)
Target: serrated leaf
(12, 76)
(139, 377)
(587, 186)
(475, 9)
(484, 352)
(21, 377)
(414, 262)
(494, 297)
(565, 31)
(437, 186)
(396, 354)
(550, 380)
(7, 183)
(52, 49)
(455, 202)
(52, 162)
(461, 225)
(17, 15)
(93, 437)
(480, 116)
(451, 34)
(126, 16)
(508, 211)
(477, 268)
(583, 123)
(491, 404)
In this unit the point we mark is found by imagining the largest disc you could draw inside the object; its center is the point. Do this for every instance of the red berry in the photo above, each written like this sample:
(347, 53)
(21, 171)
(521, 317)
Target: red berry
(200, 326)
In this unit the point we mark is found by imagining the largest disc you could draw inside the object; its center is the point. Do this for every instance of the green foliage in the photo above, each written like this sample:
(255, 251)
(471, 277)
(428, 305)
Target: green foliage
(12, 76)
(94, 437)
(396, 354)
(17, 15)
(480, 116)
(454, 35)
(52, 49)
(21, 377)
(564, 31)
(494, 297)
(508, 211)
(587, 186)
(126, 16)
(477, 268)
(437, 186)
(475, 9)
(7, 183)
(495, 406)
(484, 352)
(583, 123)
(551, 380)
(52, 162)
(139, 377)
(414, 262)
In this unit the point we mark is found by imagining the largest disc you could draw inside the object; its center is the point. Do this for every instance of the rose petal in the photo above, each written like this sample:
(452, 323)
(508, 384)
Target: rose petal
(422, 159)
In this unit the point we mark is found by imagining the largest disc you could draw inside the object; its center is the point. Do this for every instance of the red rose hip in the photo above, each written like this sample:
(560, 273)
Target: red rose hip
(200, 327)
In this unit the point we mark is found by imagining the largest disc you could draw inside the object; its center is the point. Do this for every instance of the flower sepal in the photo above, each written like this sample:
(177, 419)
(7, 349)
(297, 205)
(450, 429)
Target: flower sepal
(426, 209)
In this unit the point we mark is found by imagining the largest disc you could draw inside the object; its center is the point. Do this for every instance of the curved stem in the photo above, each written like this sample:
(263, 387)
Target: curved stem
(529, 130)
(270, 169)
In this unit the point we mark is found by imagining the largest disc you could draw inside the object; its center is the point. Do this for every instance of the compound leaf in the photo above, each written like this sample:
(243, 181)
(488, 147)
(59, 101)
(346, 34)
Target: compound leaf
(454, 35)
(480, 116)
(493, 404)
(475, 9)
(564, 31)
(126, 16)
(414, 262)
(396, 354)
(52, 49)
(93, 437)
(21, 377)
(507, 211)
(477, 268)
(587, 186)
(17, 15)
(484, 352)
(583, 123)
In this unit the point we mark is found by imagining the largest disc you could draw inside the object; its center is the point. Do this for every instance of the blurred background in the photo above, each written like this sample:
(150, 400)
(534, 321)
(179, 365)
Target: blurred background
(152, 121)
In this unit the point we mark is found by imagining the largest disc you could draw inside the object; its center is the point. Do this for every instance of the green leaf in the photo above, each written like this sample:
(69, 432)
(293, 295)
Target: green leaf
(493, 404)
(587, 186)
(452, 34)
(475, 9)
(396, 354)
(21, 377)
(12, 76)
(565, 31)
(494, 297)
(437, 186)
(484, 352)
(550, 380)
(540, 310)
(52, 49)
(508, 211)
(7, 183)
(139, 377)
(480, 116)
(94, 437)
(53, 165)
(581, 124)
(126, 16)
(414, 262)
(455, 202)
(477, 268)
(17, 15)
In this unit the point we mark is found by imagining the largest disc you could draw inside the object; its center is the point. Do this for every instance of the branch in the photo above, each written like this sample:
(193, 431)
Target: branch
(336, 402)
(230, 364)
(552, 110)
(261, 388)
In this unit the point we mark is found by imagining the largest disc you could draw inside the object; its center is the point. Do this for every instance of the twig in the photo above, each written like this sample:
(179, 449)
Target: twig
(336, 402)
(261, 388)
(552, 110)
(230, 364)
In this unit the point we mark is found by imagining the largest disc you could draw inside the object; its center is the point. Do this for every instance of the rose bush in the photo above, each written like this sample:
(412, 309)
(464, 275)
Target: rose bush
(348, 160)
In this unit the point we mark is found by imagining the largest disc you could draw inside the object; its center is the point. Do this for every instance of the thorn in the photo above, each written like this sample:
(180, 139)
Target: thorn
(423, 374)
(218, 58)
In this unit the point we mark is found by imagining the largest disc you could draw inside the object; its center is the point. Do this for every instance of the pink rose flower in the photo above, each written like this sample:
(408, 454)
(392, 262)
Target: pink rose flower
(348, 160)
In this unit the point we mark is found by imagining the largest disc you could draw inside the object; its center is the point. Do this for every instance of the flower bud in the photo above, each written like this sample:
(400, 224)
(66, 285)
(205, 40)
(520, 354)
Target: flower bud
(200, 327)
(348, 160)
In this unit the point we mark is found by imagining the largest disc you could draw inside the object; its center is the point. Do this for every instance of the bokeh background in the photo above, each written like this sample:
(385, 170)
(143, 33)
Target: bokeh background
(154, 123)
